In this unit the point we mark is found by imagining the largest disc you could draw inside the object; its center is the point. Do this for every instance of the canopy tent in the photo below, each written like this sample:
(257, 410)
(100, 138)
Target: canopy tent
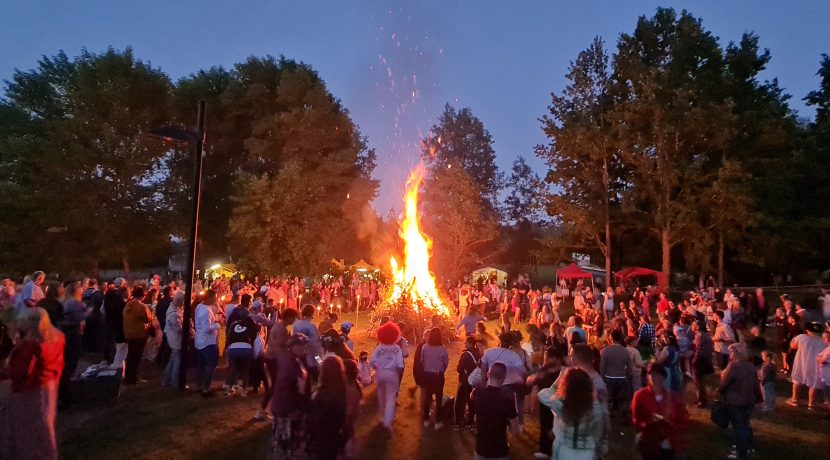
(487, 273)
(218, 270)
(363, 266)
(628, 273)
(572, 271)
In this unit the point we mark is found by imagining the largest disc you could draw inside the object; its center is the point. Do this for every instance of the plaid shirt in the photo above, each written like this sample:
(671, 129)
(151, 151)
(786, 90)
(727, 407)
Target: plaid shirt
(646, 333)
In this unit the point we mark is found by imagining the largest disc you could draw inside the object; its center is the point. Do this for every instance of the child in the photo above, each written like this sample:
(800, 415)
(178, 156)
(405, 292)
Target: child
(365, 375)
(346, 329)
(767, 377)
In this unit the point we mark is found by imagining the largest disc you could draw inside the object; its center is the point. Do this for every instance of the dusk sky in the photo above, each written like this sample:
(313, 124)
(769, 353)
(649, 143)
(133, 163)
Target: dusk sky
(395, 64)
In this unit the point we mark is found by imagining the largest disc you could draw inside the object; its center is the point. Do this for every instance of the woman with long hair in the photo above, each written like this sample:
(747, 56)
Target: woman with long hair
(327, 411)
(354, 394)
(434, 361)
(579, 424)
(34, 367)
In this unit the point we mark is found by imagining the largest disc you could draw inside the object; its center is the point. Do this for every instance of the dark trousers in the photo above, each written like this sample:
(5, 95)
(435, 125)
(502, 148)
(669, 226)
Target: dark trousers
(206, 361)
(618, 393)
(239, 360)
(739, 419)
(163, 354)
(271, 370)
(545, 427)
(433, 385)
(135, 349)
(723, 360)
(257, 375)
(464, 410)
(71, 356)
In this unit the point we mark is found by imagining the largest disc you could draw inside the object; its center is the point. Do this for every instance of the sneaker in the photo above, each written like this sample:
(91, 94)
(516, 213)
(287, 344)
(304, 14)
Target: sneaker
(790, 402)
(439, 425)
(541, 455)
(261, 416)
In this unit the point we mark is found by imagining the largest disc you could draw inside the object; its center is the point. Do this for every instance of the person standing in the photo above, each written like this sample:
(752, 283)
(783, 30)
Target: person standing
(807, 347)
(767, 375)
(823, 362)
(306, 326)
(702, 360)
(327, 412)
(740, 391)
(659, 416)
(495, 414)
(289, 397)
(434, 359)
(206, 344)
(34, 367)
(241, 336)
(160, 311)
(724, 336)
(137, 323)
(174, 323)
(276, 346)
(387, 360)
(32, 292)
(545, 378)
(114, 302)
(616, 369)
(467, 363)
(580, 428)
(71, 324)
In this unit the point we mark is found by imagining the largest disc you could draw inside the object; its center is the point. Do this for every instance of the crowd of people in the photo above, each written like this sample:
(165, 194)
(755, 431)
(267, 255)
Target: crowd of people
(616, 355)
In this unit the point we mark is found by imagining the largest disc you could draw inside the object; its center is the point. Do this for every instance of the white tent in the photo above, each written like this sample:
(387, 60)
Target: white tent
(488, 272)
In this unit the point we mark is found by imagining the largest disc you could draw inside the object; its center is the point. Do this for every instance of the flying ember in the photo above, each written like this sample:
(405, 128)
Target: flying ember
(414, 276)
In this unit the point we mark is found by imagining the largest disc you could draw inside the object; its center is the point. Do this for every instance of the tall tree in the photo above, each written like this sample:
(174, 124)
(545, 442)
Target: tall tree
(455, 219)
(526, 194)
(310, 179)
(582, 153)
(459, 140)
(89, 118)
(672, 121)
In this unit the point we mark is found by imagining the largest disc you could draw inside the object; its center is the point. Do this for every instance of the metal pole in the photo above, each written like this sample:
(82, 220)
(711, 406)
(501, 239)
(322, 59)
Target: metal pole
(191, 253)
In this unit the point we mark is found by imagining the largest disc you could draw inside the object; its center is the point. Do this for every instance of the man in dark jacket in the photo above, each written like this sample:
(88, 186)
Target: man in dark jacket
(466, 364)
(162, 306)
(114, 304)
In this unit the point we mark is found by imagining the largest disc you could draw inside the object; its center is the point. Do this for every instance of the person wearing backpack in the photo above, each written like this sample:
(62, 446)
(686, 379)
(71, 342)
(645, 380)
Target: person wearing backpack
(464, 411)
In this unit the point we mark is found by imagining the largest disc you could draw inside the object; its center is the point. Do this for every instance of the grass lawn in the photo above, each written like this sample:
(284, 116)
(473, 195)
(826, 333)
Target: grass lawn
(151, 422)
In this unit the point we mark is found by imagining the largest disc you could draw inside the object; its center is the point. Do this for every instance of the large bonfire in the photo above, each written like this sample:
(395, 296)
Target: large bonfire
(412, 293)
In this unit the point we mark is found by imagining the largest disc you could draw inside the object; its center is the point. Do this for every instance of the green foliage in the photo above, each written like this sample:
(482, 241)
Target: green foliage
(309, 175)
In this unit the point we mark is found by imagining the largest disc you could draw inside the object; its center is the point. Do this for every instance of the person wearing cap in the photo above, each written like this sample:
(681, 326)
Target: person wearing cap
(807, 347)
(289, 395)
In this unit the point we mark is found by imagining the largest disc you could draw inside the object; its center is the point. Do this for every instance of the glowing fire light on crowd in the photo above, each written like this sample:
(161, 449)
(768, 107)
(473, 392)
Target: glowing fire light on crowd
(414, 276)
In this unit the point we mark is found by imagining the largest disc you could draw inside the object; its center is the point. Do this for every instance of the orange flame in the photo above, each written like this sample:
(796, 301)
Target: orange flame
(414, 276)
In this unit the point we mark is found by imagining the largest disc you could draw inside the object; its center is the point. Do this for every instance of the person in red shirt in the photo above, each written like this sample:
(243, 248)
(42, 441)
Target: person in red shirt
(34, 367)
(659, 416)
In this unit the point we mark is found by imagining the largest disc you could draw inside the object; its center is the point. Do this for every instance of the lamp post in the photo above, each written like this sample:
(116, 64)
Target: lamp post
(197, 138)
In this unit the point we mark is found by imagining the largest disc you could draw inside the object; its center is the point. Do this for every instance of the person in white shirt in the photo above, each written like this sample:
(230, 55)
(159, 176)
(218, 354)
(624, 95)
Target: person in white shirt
(173, 333)
(207, 331)
(387, 360)
(32, 292)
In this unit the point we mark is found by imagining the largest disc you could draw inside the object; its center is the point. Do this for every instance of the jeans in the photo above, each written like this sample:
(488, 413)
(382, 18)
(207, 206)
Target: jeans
(464, 411)
(135, 349)
(769, 397)
(618, 392)
(120, 355)
(739, 418)
(171, 371)
(387, 390)
(433, 385)
(240, 360)
(206, 361)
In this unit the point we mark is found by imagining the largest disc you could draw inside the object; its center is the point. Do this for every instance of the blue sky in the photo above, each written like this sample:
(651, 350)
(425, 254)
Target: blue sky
(395, 64)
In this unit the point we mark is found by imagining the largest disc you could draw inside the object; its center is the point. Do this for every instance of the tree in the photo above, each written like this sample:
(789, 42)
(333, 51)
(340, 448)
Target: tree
(456, 221)
(300, 204)
(526, 194)
(672, 123)
(93, 185)
(582, 155)
(459, 140)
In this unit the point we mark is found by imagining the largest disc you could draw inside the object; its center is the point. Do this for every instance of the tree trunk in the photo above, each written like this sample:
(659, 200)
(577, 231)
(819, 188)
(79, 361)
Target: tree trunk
(607, 225)
(665, 243)
(720, 259)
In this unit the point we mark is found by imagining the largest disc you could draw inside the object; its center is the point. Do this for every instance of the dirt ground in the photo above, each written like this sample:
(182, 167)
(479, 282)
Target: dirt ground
(152, 422)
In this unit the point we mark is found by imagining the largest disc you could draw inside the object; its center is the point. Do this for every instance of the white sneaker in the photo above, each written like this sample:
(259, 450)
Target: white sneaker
(541, 455)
